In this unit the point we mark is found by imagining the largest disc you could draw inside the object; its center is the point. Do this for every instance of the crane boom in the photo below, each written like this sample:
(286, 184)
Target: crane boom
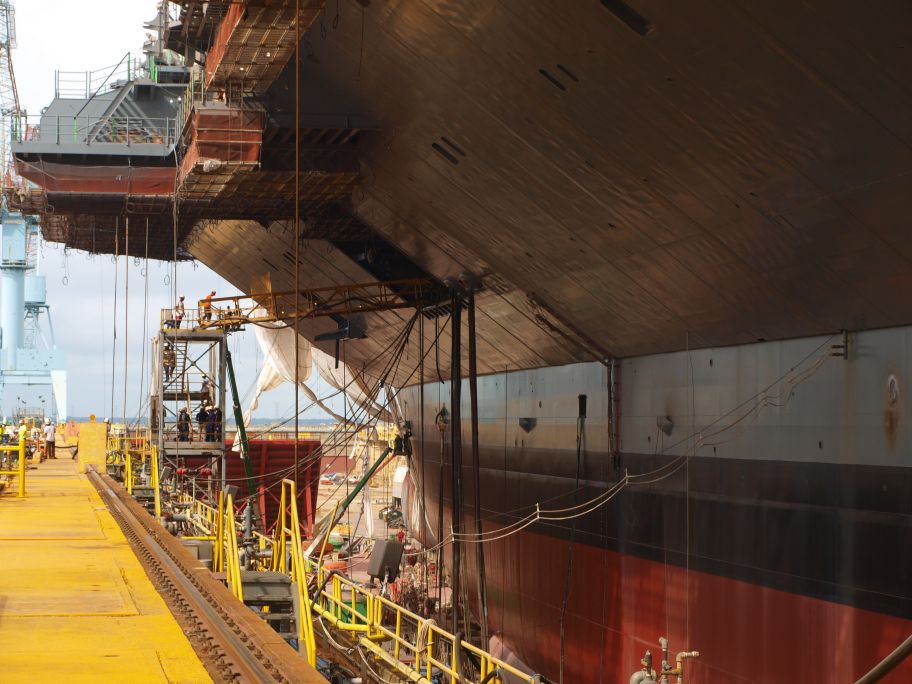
(9, 96)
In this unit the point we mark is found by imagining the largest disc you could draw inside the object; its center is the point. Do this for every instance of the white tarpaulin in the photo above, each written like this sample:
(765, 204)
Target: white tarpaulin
(278, 346)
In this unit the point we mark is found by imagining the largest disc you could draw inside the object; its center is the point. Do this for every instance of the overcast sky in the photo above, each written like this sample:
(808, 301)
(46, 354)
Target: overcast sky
(77, 36)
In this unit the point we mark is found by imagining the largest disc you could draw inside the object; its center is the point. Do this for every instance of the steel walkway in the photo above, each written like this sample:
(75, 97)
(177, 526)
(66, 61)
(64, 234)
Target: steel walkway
(75, 603)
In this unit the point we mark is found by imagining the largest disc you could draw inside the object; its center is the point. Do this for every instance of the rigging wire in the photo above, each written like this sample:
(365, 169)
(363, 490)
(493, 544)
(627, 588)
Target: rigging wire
(400, 342)
(640, 479)
(142, 363)
(126, 312)
(114, 317)
(297, 228)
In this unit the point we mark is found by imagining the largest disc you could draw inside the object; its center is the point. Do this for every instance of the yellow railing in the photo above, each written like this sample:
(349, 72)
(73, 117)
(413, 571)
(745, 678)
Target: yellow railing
(136, 453)
(156, 485)
(189, 320)
(202, 516)
(20, 470)
(413, 646)
(287, 542)
(427, 647)
(228, 545)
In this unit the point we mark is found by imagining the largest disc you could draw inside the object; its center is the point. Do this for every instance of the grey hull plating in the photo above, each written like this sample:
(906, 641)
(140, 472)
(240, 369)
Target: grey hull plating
(799, 477)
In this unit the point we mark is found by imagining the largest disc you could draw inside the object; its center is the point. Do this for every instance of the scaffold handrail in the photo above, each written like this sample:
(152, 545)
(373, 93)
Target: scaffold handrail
(288, 546)
(19, 471)
(336, 300)
(94, 130)
(90, 82)
(416, 646)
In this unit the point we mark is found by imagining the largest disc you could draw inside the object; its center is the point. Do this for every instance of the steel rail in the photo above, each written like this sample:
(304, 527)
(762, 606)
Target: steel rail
(233, 643)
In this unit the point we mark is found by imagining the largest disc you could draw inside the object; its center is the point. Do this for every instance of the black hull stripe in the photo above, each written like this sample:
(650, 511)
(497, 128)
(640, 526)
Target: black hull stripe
(832, 532)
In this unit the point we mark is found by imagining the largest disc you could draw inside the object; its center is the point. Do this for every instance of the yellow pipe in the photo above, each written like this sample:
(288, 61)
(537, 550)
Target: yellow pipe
(430, 652)
(326, 538)
(128, 477)
(399, 636)
(21, 493)
(217, 557)
(155, 483)
(403, 669)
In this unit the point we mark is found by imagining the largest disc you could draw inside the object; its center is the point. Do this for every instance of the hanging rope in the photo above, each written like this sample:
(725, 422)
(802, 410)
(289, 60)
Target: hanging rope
(101, 329)
(297, 230)
(145, 341)
(114, 317)
(126, 314)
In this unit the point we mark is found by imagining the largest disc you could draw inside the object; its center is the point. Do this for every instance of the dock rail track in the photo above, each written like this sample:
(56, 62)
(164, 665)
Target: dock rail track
(233, 643)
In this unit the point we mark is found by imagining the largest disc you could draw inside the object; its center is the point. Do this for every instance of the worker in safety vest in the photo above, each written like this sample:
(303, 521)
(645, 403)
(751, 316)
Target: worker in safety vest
(206, 306)
(23, 432)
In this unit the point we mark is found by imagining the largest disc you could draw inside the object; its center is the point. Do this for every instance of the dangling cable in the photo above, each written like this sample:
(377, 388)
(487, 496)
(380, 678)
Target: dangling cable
(580, 433)
(142, 364)
(114, 317)
(476, 470)
(126, 313)
(456, 449)
(297, 233)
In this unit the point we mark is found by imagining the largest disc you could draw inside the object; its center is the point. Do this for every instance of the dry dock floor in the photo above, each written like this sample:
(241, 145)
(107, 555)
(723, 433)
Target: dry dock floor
(75, 604)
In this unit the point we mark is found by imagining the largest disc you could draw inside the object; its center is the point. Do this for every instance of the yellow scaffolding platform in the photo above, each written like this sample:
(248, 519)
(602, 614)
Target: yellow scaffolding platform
(75, 603)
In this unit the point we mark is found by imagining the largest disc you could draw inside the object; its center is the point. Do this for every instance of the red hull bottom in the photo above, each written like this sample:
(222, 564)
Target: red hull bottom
(619, 605)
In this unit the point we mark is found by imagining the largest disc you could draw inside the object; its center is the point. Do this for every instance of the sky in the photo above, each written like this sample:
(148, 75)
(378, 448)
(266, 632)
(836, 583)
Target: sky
(88, 35)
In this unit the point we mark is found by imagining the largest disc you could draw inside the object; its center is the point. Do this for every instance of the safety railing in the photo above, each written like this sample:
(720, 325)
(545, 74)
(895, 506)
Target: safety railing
(226, 554)
(347, 299)
(135, 441)
(93, 130)
(82, 85)
(156, 482)
(415, 647)
(131, 456)
(197, 94)
(19, 471)
(193, 319)
(418, 645)
(131, 451)
(288, 558)
(173, 321)
(202, 516)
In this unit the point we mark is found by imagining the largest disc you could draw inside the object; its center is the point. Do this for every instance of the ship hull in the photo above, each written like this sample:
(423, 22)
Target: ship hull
(777, 548)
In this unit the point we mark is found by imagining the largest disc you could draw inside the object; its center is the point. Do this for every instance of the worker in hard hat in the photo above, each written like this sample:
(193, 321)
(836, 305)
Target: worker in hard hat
(50, 436)
(206, 391)
(9, 433)
(23, 432)
(210, 424)
(169, 361)
(178, 312)
(183, 425)
(213, 424)
(206, 306)
(202, 418)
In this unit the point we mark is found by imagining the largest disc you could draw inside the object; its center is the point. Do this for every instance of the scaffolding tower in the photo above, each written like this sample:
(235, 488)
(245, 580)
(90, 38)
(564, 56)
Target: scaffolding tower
(196, 381)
